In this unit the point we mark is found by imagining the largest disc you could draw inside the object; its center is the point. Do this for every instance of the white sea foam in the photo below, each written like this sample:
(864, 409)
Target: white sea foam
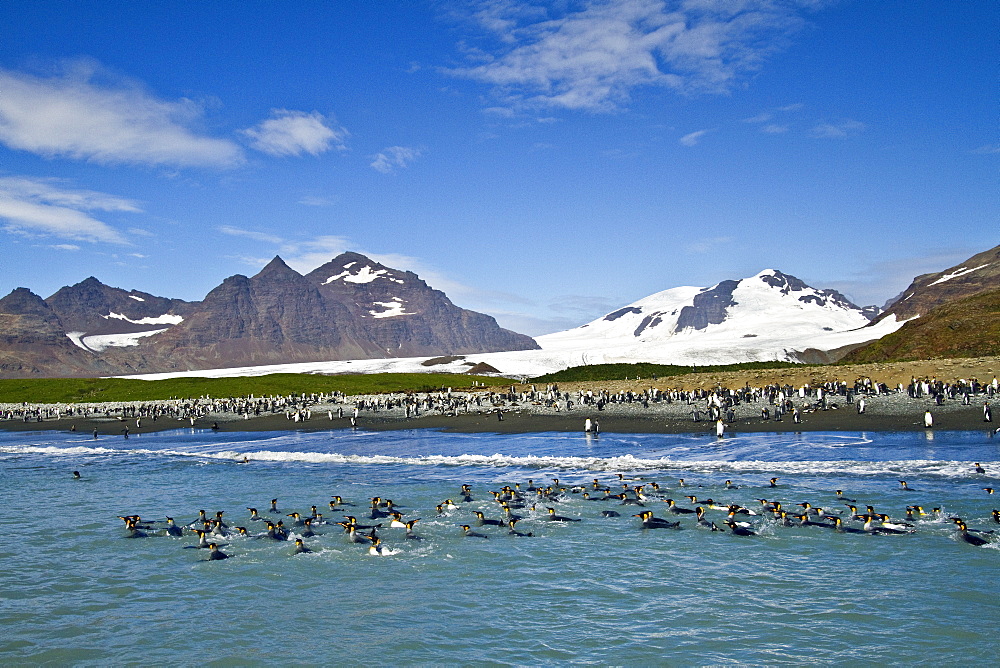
(913, 468)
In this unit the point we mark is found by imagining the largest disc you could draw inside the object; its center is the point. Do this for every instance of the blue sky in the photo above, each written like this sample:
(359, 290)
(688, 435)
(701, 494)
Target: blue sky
(541, 162)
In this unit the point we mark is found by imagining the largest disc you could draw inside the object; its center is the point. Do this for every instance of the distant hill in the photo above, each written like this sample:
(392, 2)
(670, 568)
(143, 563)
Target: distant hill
(980, 273)
(951, 313)
(968, 327)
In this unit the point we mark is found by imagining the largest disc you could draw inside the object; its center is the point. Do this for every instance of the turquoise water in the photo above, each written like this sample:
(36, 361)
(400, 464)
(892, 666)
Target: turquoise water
(600, 591)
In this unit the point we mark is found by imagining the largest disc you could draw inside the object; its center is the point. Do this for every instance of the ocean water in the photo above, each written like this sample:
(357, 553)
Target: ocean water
(75, 591)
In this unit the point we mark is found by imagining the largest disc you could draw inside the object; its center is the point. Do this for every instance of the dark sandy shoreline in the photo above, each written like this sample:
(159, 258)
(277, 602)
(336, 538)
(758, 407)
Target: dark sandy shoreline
(953, 417)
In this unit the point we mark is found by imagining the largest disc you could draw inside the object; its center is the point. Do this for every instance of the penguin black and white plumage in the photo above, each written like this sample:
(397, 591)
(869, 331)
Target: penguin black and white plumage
(514, 532)
(737, 530)
(410, 535)
(482, 521)
(352, 533)
(172, 529)
(971, 539)
(203, 542)
(469, 533)
(552, 517)
(673, 509)
(200, 521)
(215, 554)
(648, 521)
(376, 549)
(132, 529)
(838, 526)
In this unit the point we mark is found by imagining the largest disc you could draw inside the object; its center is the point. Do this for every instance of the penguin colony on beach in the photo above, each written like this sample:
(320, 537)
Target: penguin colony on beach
(535, 505)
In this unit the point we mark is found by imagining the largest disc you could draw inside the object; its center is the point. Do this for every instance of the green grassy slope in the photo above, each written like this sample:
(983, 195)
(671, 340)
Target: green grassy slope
(80, 390)
(967, 327)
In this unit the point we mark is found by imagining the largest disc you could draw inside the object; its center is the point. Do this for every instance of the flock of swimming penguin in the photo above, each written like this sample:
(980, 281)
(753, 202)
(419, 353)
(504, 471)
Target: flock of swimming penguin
(534, 503)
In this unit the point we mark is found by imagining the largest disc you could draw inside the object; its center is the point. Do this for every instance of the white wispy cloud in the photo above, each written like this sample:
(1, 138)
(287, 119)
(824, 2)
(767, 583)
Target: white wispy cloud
(988, 149)
(765, 118)
(68, 247)
(705, 245)
(305, 255)
(838, 130)
(73, 115)
(292, 133)
(874, 283)
(315, 200)
(250, 234)
(592, 55)
(47, 207)
(692, 138)
(395, 157)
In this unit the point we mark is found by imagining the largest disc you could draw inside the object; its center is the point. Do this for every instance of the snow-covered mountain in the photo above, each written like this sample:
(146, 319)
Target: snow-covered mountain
(770, 316)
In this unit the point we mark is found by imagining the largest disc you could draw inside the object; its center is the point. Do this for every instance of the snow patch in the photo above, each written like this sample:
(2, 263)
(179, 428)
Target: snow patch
(138, 299)
(393, 309)
(77, 339)
(961, 271)
(165, 319)
(365, 274)
(99, 342)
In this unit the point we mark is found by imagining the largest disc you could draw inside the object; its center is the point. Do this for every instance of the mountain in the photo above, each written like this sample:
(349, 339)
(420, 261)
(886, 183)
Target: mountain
(770, 316)
(96, 311)
(967, 327)
(980, 273)
(350, 308)
(950, 313)
(403, 316)
(33, 341)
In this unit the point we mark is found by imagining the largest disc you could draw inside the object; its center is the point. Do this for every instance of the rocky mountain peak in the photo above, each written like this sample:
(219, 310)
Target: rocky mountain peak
(277, 270)
(354, 269)
(22, 301)
(25, 318)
